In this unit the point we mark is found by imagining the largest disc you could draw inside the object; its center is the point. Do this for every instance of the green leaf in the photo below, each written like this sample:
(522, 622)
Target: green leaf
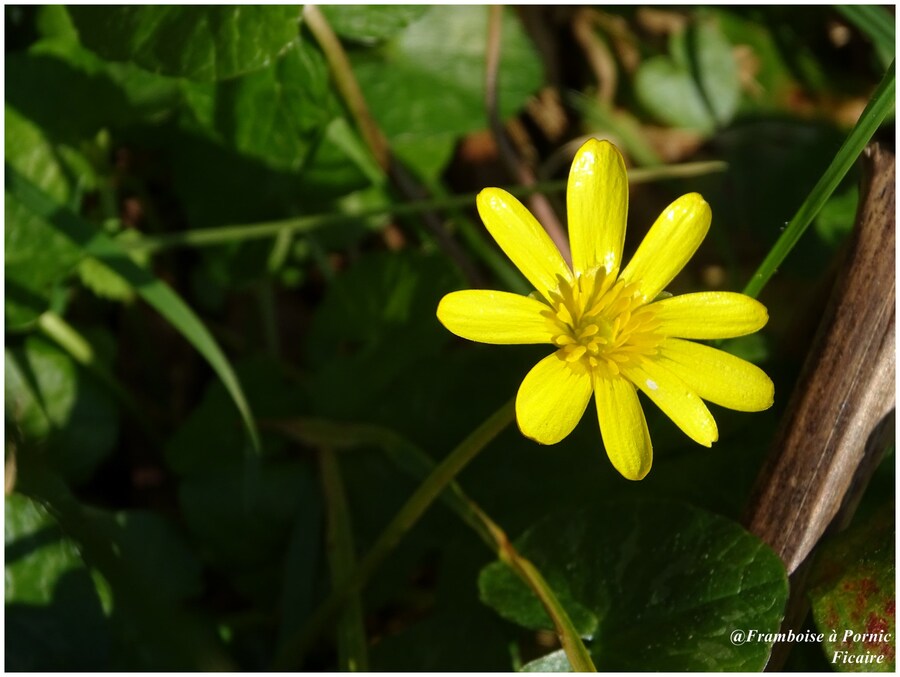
(54, 73)
(717, 70)
(150, 630)
(158, 553)
(457, 619)
(53, 21)
(697, 85)
(155, 292)
(835, 222)
(36, 255)
(427, 84)
(655, 585)
(245, 533)
(427, 154)
(774, 84)
(54, 617)
(59, 408)
(200, 43)
(206, 439)
(667, 89)
(552, 662)
(853, 595)
(277, 114)
(378, 319)
(371, 23)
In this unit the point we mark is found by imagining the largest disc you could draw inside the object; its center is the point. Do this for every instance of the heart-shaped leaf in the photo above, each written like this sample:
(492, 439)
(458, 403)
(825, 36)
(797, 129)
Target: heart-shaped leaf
(697, 85)
(653, 585)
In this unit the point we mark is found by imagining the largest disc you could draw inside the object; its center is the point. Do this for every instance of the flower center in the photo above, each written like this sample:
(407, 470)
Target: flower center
(601, 323)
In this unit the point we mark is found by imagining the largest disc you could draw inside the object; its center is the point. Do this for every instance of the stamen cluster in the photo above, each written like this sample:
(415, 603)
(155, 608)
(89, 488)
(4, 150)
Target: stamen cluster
(600, 323)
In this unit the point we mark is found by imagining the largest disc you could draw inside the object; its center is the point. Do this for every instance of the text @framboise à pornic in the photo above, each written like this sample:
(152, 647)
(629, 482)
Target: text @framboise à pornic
(851, 656)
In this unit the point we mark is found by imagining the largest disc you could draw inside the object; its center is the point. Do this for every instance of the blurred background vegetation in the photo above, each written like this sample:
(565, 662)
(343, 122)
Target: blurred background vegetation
(143, 530)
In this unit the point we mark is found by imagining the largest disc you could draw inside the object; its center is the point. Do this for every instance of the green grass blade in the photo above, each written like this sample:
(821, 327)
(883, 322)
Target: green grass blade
(351, 634)
(880, 105)
(154, 291)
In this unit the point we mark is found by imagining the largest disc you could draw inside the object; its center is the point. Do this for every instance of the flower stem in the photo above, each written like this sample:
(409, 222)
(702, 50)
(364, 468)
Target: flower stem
(292, 651)
(880, 105)
(411, 459)
(211, 237)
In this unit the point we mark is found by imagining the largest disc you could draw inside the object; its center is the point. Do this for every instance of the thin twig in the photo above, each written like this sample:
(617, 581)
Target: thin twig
(539, 204)
(9, 475)
(596, 53)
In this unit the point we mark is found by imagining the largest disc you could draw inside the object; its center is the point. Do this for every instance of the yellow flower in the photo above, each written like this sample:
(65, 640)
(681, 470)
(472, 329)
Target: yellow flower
(612, 331)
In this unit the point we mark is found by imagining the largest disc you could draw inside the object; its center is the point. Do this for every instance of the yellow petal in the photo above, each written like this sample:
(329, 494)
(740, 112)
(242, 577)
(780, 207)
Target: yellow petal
(669, 245)
(597, 201)
(552, 399)
(710, 315)
(494, 317)
(718, 376)
(523, 239)
(676, 399)
(623, 427)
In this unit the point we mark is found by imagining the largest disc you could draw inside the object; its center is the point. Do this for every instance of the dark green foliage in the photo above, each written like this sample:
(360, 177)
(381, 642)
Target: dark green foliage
(150, 528)
(652, 585)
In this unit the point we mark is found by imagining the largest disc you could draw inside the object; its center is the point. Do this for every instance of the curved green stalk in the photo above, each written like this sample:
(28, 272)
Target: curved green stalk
(414, 461)
(295, 647)
(880, 105)
(210, 237)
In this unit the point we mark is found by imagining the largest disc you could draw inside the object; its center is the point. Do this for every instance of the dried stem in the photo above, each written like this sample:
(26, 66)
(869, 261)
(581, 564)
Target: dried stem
(845, 391)
(539, 204)
(596, 53)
